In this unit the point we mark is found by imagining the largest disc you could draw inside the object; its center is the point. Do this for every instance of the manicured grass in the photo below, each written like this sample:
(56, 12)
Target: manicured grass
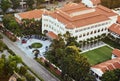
(36, 45)
(98, 55)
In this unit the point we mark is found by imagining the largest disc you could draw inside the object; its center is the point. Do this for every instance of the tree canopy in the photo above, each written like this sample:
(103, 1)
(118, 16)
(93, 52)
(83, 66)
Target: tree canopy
(65, 53)
(30, 3)
(113, 75)
(74, 64)
(5, 4)
(111, 3)
(15, 3)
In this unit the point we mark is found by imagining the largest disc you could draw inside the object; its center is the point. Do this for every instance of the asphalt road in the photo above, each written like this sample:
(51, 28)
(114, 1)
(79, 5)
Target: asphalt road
(31, 63)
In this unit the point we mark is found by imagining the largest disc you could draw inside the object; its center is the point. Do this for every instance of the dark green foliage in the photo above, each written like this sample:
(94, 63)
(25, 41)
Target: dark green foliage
(15, 3)
(1, 37)
(8, 65)
(5, 4)
(29, 77)
(10, 23)
(64, 52)
(74, 64)
(47, 64)
(30, 3)
(113, 75)
(30, 27)
(2, 46)
(22, 70)
(111, 3)
(11, 52)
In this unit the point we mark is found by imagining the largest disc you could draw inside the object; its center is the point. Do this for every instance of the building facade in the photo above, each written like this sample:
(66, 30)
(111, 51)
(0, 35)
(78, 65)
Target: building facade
(80, 20)
(114, 30)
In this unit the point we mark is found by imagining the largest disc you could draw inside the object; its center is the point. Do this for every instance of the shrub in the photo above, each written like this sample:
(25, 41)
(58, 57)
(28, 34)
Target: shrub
(11, 52)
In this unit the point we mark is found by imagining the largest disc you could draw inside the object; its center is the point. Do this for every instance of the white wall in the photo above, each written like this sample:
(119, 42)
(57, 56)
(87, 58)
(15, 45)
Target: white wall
(51, 24)
(86, 30)
(17, 16)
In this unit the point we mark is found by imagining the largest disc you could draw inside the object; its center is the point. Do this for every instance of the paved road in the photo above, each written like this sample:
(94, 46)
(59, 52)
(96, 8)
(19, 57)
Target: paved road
(31, 63)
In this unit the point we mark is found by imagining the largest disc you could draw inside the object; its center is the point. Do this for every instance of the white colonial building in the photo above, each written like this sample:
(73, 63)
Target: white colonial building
(114, 30)
(81, 21)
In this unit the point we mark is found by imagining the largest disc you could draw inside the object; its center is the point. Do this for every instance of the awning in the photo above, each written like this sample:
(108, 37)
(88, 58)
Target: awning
(52, 35)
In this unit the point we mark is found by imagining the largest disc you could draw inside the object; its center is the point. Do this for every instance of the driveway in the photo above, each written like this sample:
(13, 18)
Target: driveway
(31, 63)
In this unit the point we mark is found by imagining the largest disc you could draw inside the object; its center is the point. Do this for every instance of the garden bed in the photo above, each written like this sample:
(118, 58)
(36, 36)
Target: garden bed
(36, 45)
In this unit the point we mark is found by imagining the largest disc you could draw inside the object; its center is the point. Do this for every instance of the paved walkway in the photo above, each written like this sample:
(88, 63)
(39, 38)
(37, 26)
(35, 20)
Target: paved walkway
(89, 47)
(31, 63)
(25, 47)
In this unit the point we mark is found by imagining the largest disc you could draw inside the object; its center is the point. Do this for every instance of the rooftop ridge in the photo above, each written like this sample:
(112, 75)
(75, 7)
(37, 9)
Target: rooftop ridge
(104, 8)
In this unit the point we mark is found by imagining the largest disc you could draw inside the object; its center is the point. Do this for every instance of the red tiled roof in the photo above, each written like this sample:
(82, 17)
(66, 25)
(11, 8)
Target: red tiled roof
(18, 20)
(116, 52)
(118, 19)
(98, 14)
(115, 28)
(95, 2)
(52, 35)
(108, 65)
(37, 13)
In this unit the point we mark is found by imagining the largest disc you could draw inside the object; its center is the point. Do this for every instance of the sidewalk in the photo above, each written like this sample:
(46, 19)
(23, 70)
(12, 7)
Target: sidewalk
(92, 47)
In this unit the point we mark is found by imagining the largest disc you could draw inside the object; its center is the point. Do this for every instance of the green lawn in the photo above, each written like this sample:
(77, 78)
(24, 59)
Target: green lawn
(36, 45)
(98, 55)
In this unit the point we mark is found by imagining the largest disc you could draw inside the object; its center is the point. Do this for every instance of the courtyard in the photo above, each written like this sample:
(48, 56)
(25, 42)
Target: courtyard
(98, 55)
(28, 47)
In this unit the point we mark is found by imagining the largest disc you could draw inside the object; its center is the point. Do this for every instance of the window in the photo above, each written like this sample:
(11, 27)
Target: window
(95, 31)
(80, 36)
(46, 25)
(91, 32)
(99, 30)
(102, 30)
(105, 28)
(88, 33)
(83, 34)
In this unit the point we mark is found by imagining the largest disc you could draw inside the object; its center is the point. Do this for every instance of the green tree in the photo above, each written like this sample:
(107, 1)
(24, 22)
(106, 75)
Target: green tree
(11, 24)
(15, 3)
(29, 77)
(5, 4)
(39, 2)
(113, 75)
(2, 46)
(21, 79)
(111, 3)
(70, 40)
(75, 65)
(1, 37)
(6, 19)
(3, 56)
(22, 70)
(2, 63)
(30, 3)
(30, 26)
(11, 64)
(56, 52)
